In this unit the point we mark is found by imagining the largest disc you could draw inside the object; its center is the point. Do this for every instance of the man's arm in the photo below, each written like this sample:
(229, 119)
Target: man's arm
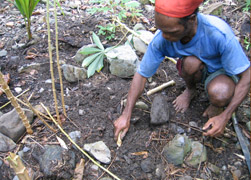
(219, 122)
(123, 122)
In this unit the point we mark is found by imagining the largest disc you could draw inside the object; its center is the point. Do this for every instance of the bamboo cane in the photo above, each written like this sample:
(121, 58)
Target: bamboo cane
(57, 54)
(51, 62)
(14, 103)
(152, 91)
(87, 155)
(17, 165)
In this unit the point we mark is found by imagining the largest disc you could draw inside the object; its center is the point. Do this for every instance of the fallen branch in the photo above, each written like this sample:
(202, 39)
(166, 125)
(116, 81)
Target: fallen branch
(80, 149)
(159, 88)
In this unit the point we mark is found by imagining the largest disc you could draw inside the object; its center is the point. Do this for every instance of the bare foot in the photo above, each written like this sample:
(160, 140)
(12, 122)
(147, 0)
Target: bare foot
(182, 102)
(212, 111)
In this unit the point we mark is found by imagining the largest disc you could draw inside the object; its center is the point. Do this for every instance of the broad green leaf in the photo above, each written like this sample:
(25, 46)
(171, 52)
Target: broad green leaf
(93, 66)
(89, 50)
(100, 64)
(110, 48)
(97, 41)
(90, 59)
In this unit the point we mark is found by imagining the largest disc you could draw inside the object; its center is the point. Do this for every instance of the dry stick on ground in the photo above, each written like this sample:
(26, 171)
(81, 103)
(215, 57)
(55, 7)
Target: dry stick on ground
(152, 91)
(51, 62)
(14, 103)
(57, 54)
(86, 154)
(16, 97)
(107, 167)
(35, 112)
(17, 165)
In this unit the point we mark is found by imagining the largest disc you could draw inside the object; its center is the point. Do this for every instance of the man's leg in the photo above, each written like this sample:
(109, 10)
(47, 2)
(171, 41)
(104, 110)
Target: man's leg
(220, 92)
(191, 71)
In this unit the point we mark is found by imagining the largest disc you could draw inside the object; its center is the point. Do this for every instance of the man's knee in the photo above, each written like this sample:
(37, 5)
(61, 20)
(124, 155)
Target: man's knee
(221, 90)
(191, 65)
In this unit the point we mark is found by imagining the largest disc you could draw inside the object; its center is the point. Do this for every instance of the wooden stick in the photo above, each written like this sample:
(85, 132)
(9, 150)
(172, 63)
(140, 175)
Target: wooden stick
(152, 91)
(85, 153)
(14, 103)
(171, 59)
(51, 62)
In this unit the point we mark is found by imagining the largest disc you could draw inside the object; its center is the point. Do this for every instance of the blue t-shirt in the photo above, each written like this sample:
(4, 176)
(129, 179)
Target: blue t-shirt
(214, 44)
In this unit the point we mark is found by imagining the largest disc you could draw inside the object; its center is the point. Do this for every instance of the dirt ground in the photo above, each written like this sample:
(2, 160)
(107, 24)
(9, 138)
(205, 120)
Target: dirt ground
(100, 98)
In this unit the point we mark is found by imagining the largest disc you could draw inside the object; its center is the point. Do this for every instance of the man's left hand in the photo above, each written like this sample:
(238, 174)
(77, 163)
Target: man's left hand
(218, 125)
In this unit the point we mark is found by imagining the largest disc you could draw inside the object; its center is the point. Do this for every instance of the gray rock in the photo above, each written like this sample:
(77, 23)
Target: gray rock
(73, 73)
(198, 154)
(176, 150)
(176, 129)
(100, 151)
(106, 178)
(159, 110)
(248, 125)
(16, 178)
(54, 160)
(12, 126)
(6, 144)
(237, 173)
(75, 135)
(138, 43)
(79, 57)
(214, 168)
(3, 53)
(224, 168)
(147, 165)
(18, 46)
(186, 178)
(139, 26)
(29, 67)
(149, 9)
(123, 61)
(160, 171)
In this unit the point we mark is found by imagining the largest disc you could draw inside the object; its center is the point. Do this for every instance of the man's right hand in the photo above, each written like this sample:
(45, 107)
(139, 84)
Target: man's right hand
(122, 124)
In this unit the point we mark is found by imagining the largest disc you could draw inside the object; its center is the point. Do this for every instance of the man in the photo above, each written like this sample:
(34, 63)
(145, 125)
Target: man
(208, 52)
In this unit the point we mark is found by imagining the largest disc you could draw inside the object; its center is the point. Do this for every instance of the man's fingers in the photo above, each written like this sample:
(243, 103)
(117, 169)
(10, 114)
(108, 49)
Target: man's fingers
(123, 133)
(116, 133)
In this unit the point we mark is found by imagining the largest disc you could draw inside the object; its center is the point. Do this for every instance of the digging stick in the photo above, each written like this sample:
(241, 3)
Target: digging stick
(152, 91)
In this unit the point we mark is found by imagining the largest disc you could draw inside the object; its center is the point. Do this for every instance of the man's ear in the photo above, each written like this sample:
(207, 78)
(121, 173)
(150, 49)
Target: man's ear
(192, 18)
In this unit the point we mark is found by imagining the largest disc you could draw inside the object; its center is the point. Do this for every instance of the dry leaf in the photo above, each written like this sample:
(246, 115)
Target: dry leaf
(62, 143)
(79, 170)
(144, 153)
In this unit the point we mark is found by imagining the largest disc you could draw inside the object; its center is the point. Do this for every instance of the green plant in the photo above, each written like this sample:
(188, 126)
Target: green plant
(133, 6)
(247, 7)
(108, 31)
(95, 61)
(247, 43)
(26, 8)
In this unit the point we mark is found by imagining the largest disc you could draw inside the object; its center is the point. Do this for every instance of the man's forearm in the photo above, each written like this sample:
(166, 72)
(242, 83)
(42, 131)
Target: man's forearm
(241, 90)
(136, 89)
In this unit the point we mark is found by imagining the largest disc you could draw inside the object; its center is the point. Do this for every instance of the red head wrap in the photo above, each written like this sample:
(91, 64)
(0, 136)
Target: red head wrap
(176, 8)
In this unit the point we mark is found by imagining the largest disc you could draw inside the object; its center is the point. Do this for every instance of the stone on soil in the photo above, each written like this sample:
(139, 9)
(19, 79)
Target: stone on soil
(12, 126)
(100, 151)
(56, 162)
(176, 150)
(6, 144)
(186, 178)
(123, 61)
(147, 165)
(3, 53)
(137, 42)
(73, 73)
(159, 110)
(198, 154)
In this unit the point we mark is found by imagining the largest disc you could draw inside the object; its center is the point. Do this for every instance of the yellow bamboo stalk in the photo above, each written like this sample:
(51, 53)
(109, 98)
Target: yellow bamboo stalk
(57, 54)
(85, 153)
(17, 164)
(14, 103)
(51, 62)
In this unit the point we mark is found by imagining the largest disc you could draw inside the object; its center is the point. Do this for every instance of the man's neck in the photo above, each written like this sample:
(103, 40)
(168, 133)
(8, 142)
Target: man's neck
(190, 36)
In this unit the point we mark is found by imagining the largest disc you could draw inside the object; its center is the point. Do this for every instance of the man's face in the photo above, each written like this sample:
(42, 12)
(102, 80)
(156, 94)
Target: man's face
(171, 29)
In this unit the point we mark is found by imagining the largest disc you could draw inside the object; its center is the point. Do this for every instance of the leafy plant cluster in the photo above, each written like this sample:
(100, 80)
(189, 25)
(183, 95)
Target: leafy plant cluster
(114, 9)
(247, 7)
